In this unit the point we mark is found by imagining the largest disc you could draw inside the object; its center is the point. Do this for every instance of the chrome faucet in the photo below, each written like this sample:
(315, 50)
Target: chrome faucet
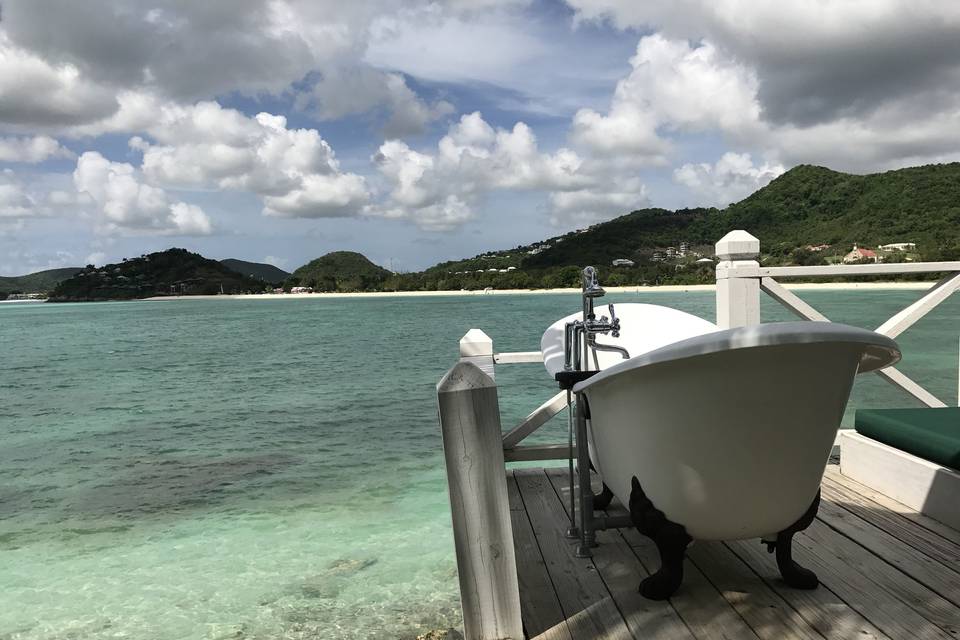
(579, 340)
(583, 333)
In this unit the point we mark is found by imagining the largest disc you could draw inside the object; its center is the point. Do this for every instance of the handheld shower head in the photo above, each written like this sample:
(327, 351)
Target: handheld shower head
(590, 286)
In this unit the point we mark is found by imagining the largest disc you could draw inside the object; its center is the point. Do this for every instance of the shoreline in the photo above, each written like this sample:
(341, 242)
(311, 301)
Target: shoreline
(673, 288)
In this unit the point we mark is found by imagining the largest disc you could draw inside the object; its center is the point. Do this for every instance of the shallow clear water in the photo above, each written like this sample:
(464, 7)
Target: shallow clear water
(273, 468)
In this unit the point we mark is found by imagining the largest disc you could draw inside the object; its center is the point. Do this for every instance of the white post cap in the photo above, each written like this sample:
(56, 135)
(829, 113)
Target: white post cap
(738, 245)
(476, 343)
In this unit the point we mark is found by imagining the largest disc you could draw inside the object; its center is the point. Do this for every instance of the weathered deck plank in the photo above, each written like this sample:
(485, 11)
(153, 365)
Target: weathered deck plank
(907, 531)
(540, 607)
(621, 571)
(769, 615)
(892, 506)
(704, 609)
(823, 609)
(875, 589)
(885, 573)
(927, 571)
(578, 588)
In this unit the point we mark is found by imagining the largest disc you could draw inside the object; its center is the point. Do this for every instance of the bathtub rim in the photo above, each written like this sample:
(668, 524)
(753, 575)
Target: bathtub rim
(879, 350)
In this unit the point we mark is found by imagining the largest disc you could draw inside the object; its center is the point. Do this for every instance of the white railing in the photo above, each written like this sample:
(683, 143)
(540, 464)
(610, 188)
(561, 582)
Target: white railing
(477, 347)
(740, 279)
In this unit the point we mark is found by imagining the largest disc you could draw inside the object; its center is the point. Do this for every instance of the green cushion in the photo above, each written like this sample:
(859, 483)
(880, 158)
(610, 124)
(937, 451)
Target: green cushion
(932, 434)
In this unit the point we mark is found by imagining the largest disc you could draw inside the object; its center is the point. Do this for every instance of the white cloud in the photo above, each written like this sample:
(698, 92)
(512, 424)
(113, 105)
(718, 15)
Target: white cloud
(279, 263)
(97, 259)
(320, 196)
(71, 67)
(732, 178)
(486, 47)
(342, 92)
(439, 190)
(15, 202)
(295, 171)
(587, 206)
(128, 204)
(22, 260)
(861, 85)
(673, 87)
(31, 149)
(35, 92)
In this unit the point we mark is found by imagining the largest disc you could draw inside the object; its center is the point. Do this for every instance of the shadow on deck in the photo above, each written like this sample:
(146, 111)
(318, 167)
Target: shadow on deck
(885, 572)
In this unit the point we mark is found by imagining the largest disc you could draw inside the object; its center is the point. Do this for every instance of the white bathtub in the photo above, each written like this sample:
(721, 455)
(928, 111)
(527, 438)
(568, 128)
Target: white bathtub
(728, 432)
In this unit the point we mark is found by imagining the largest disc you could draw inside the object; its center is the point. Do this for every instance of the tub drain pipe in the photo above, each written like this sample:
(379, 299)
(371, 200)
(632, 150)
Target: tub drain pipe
(572, 532)
(588, 536)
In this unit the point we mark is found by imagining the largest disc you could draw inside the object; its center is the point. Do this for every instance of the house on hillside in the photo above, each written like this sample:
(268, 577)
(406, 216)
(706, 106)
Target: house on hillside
(858, 254)
(899, 246)
(623, 262)
(817, 248)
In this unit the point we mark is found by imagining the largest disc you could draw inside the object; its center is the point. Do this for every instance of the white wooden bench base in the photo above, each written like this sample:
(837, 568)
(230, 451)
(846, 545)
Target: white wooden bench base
(921, 485)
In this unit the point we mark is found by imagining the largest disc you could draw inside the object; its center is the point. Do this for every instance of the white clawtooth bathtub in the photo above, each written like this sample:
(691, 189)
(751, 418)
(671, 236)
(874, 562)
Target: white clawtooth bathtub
(728, 432)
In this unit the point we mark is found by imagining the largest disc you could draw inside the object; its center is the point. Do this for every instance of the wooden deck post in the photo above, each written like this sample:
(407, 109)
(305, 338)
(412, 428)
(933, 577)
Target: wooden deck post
(738, 280)
(476, 478)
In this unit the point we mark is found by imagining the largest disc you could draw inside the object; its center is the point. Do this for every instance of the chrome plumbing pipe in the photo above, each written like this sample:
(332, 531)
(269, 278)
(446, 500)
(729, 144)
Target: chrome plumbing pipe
(572, 532)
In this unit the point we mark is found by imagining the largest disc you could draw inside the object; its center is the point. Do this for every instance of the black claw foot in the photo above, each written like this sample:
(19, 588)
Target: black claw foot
(671, 540)
(602, 500)
(662, 584)
(793, 574)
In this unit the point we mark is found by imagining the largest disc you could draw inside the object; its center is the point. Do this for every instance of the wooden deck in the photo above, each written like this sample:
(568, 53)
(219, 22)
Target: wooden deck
(885, 572)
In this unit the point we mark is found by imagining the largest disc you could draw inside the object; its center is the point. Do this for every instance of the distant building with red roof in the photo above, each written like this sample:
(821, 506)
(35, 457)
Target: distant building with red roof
(858, 254)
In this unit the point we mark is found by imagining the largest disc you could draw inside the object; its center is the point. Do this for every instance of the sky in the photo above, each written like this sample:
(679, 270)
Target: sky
(421, 131)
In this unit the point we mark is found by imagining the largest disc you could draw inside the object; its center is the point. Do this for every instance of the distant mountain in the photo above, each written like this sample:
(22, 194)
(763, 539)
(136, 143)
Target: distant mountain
(39, 282)
(259, 270)
(807, 205)
(170, 272)
(340, 271)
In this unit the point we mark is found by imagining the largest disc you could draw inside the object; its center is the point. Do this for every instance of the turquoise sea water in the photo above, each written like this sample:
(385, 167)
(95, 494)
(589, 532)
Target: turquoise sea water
(273, 468)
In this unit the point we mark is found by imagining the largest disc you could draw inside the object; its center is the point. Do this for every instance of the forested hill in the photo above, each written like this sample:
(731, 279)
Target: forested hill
(340, 271)
(813, 205)
(807, 205)
(170, 272)
(39, 282)
(259, 270)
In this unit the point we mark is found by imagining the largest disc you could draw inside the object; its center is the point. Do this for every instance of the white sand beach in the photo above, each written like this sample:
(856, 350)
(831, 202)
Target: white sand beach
(500, 292)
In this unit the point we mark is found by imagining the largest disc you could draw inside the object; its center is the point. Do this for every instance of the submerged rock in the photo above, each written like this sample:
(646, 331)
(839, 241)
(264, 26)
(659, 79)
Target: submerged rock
(441, 634)
(349, 565)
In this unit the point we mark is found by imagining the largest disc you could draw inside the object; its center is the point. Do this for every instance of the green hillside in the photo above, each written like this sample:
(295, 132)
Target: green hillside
(340, 271)
(257, 270)
(39, 282)
(806, 205)
(170, 272)
(811, 205)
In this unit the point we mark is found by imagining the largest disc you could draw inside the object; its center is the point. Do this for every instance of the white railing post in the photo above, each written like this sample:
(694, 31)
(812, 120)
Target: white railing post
(476, 479)
(477, 347)
(738, 280)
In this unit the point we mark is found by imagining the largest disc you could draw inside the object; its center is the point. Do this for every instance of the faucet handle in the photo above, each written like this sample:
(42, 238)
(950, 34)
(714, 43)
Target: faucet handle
(614, 322)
